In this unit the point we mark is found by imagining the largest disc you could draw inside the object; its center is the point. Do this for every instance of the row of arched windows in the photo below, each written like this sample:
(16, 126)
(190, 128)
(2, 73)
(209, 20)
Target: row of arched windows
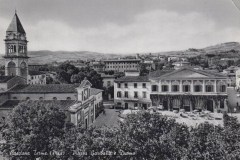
(13, 49)
(41, 98)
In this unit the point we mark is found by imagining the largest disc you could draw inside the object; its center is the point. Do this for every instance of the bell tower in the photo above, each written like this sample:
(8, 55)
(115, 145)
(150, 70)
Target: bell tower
(16, 57)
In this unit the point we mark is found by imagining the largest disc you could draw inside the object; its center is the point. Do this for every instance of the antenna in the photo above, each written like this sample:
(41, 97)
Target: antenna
(237, 4)
(15, 11)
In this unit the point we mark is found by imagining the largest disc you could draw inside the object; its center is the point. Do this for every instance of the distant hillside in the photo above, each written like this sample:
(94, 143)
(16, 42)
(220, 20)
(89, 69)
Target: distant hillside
(45, 56)
(223, 47)
(61, 56)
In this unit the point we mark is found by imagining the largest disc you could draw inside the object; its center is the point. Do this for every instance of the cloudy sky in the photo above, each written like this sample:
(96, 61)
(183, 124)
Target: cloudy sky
(122, 26)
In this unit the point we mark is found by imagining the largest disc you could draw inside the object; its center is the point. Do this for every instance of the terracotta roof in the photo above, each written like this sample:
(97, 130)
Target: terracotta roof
(47, 88)
(63, 104)
(30, 72)
(95, 91)
(203, 72)
(4, 79)
(132, 79)
(159, 73)
(15, 25)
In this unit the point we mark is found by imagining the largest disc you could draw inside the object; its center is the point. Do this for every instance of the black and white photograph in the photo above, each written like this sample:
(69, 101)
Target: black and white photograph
(119, 79)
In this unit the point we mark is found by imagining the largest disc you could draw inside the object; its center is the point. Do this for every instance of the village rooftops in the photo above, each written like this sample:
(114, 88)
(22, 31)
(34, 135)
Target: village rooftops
(132, 79)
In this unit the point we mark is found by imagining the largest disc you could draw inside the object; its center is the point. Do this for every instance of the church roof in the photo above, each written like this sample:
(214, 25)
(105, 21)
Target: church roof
(47, 88)
(15, 25)
(4, 79)
(62, 104)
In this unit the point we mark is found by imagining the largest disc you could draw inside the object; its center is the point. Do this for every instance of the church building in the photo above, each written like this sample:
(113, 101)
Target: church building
(79, 101)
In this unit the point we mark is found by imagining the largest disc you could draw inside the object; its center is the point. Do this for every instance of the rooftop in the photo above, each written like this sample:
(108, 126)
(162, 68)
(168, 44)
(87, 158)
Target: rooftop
(133, 79)
(47, 88)
(4, 79)
(30, 72)
(95, 91)
(63, 104)
(15, 25)
(159, 73)
(123, 60)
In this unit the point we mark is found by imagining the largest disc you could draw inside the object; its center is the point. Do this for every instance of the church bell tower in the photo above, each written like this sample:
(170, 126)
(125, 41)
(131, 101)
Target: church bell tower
(16, 57)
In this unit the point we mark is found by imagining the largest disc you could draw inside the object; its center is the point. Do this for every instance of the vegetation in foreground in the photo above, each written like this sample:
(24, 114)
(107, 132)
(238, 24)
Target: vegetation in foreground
(36, 130)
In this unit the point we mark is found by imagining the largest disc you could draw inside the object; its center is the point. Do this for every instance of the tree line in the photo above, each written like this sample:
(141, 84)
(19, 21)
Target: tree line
(39, 130)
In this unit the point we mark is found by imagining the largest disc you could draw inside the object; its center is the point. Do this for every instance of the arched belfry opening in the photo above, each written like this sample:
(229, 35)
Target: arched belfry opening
(11, 67)
(23, 69)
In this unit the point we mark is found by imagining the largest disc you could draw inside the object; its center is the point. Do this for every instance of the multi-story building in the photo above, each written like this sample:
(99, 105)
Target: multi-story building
(185, 88)
(121, 65)
(108, 80)
(231, 73)
(36, 77)
(132, 92)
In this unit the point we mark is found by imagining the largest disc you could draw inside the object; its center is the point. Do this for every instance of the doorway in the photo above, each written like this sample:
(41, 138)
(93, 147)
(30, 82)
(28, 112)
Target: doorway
(210, 105)
(126, 105)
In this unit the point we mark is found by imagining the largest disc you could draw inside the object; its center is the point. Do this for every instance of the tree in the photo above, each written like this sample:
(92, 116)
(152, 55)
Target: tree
(143, 70)
(33, 127)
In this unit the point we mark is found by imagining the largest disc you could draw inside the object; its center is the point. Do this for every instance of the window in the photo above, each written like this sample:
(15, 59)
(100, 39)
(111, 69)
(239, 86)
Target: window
(126, 94)
(135, 104)
(14, 97)
(68, 98)
(144, 95)
(144, 85)
(27, 98)
(125, 85)
(186, 88)
(40, 98)
(175, 88)
(197, 88)
(135, 85)
(54, 98)
(164, 88)
(154, 88)
(222, 104)
(135, 94)
(209, 88)
(119, 85)
(119, 95)
(222, 88)
(108, 83)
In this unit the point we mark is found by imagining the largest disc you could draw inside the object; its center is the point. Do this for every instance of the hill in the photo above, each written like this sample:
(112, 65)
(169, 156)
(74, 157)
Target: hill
(45, 56)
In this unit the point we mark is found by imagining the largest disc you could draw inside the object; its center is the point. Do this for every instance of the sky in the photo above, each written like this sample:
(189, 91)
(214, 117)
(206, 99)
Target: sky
(122, 26)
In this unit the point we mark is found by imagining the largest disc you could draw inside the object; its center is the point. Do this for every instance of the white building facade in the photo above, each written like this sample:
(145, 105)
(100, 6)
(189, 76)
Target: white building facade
(185, 88)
